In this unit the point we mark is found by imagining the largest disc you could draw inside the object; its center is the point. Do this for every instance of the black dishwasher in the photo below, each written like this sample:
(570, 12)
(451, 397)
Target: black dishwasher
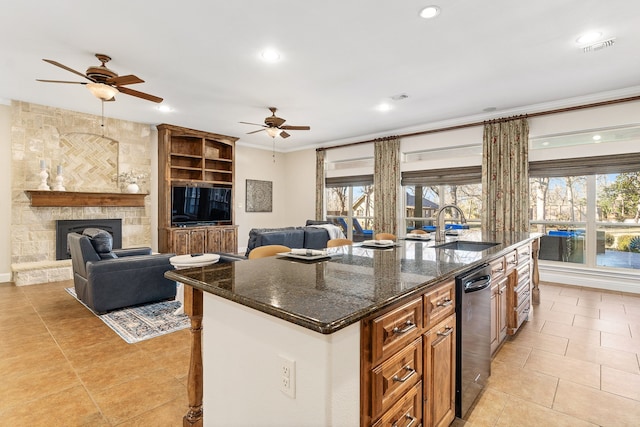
(473, 338)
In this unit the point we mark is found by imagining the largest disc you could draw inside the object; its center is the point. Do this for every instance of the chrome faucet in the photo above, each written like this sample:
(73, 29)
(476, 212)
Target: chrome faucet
(440, 227)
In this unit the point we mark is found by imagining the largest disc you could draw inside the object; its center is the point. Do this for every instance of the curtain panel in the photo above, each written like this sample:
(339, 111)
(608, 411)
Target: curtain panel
(505, 177)
(386, 181)
(320, 173)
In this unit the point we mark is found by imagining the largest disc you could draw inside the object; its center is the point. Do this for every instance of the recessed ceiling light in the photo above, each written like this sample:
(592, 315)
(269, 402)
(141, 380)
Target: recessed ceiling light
(596, 138)
(430, 12)
(589, 37)
(545, 143)
(164, 108)
(384, 107)
(270, 55)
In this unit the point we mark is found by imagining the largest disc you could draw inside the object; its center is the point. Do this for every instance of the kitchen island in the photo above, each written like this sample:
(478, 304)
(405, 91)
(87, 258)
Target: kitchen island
(283, 338)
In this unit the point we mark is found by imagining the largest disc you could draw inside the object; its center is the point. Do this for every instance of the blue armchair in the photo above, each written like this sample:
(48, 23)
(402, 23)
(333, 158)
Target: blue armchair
(106, 279)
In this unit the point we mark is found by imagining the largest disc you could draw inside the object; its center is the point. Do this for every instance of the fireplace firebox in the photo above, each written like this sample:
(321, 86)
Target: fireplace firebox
(64, 227)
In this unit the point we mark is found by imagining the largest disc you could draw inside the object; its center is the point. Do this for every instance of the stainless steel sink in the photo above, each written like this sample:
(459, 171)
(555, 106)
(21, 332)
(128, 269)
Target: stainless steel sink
(466, 245)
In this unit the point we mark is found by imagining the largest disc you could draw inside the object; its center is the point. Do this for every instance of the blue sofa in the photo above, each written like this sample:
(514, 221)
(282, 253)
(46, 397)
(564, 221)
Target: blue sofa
(307, 237)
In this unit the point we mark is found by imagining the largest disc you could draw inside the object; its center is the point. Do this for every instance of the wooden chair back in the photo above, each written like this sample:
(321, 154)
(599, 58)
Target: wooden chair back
(332, 243)
(418, 231)
(267, 250)
(385, 236)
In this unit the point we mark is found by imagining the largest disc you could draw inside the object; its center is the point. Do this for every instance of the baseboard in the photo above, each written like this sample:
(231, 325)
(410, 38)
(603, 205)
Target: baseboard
(591, 278)
(5, 277)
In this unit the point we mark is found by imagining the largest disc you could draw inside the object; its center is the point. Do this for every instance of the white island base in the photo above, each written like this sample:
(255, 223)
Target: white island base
(242, 358)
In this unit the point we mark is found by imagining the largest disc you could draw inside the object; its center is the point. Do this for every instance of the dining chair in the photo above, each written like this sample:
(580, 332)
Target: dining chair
(267, 250)
(385, 236)
(332, 243)
(418, 231)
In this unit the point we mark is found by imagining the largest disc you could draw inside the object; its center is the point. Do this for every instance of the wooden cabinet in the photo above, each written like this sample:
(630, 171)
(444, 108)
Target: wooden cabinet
(498, 302)
(519, 289)
(196, 240)
(188, 157)
(406, 412)
(222, 239)
(439, 303)
(408, 361)
(439, 373)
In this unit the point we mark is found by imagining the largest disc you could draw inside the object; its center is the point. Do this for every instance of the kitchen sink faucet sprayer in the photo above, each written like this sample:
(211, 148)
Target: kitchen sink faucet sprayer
(440, 228)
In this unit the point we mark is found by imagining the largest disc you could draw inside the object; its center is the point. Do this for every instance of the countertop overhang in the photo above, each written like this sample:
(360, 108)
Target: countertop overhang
(355, 282)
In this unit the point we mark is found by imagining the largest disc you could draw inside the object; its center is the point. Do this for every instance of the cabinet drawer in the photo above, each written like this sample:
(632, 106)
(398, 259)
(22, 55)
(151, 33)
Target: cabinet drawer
(511, 260)
(407, 411)
(521, 295)
(439, 304)
(395, 329)
(522, 313)
(497, 268)
(394, 377)
(524, 253)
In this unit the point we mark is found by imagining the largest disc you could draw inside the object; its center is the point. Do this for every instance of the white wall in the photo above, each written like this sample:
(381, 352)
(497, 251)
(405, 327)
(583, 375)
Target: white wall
(241, 363)
(5, 193)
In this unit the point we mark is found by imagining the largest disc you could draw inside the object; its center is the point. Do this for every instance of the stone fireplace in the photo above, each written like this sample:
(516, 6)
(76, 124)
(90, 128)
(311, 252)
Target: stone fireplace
(55, 136)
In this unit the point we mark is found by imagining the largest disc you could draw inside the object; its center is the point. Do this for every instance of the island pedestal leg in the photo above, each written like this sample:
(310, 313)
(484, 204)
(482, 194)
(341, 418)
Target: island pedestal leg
(193, 308)
(535, 274)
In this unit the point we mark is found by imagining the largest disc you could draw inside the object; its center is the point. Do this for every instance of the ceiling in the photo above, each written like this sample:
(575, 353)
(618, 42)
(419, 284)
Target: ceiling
(339, 60)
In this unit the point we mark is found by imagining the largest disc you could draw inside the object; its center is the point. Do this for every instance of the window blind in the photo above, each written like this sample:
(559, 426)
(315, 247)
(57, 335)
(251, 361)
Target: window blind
(579, 166)
(448, 176)
(349, 181)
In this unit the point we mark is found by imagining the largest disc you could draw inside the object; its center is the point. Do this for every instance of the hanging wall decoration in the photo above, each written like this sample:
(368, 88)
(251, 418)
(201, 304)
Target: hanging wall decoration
(259, 196)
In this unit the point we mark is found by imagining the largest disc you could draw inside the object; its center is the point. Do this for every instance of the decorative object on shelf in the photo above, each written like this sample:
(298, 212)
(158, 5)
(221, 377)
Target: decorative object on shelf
(129, 180)
(44, 175)
(58, 186)
(259, 196)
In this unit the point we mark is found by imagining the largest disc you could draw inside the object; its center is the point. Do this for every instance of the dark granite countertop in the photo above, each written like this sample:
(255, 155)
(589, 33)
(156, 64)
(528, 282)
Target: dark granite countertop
(330, 294)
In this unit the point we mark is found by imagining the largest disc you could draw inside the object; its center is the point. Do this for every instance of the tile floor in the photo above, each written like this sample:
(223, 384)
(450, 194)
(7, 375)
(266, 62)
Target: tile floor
(61, 366)
(575, 363)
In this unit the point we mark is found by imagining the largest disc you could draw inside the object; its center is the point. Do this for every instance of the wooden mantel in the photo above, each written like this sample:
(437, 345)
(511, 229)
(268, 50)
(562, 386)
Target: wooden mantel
(40, 198)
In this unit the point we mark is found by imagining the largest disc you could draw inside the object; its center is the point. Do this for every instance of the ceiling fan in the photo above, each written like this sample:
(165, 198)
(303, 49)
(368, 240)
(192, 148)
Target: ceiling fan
(103, 82)
(275, 126)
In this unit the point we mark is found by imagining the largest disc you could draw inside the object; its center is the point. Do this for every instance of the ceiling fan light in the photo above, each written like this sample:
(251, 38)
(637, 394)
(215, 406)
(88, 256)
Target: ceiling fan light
(102, 91)
(273, 132)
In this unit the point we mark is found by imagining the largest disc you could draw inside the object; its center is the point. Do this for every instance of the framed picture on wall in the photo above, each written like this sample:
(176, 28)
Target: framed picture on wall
(259, 196)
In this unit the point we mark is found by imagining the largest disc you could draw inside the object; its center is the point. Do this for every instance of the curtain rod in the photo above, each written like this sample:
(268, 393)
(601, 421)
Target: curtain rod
(473, 124)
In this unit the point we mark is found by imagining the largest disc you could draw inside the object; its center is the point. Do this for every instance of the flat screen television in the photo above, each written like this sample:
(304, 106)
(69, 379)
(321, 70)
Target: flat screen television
(200, 205)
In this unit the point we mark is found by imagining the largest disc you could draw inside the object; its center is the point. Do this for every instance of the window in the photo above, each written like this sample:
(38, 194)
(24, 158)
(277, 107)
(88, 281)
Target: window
(350, 205)
(425, 191)
(588, 217)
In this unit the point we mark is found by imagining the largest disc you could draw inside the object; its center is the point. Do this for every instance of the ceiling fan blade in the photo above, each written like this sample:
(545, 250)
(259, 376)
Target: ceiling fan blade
(60, 81)
(64, 67)
(283, 134)
(138, 94)
(255, 131)
(124, 80)
(295, 127)
(255, 124)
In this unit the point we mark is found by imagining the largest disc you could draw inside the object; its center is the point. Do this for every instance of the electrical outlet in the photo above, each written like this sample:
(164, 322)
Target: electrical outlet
(287, 376)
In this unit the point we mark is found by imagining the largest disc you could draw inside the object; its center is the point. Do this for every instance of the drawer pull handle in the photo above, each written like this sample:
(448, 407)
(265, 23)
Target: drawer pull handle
(406, 417)
(410, 372)
(444, 303)
(447, 331)
(409, 325)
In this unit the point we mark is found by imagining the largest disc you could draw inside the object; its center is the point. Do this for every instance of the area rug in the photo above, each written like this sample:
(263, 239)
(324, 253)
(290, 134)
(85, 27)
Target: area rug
(135, 324)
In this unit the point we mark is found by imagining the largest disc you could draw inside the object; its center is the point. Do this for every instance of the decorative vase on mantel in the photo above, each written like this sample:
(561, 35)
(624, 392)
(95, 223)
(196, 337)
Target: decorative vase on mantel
(132, 188)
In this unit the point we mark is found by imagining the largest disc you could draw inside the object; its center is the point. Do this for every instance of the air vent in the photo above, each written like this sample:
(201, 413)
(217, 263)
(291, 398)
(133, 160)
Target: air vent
(599, 45)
